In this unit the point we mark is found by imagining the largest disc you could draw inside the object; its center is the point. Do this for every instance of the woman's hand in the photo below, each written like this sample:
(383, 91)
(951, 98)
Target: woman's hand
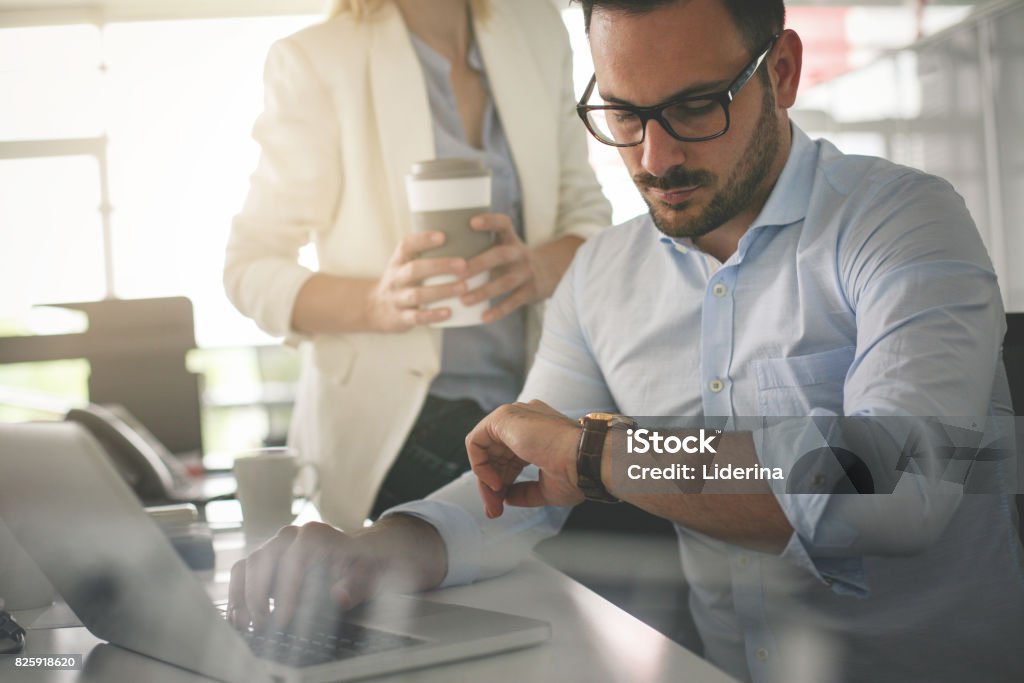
(395, 303)
(525, 275)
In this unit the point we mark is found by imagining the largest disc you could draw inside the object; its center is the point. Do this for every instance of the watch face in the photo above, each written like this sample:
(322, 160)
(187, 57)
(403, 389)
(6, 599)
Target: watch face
(613, 419)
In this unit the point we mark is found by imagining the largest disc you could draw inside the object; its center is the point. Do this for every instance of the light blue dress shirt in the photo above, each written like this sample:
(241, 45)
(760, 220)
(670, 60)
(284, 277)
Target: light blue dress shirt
(485, 362)
(861, 289)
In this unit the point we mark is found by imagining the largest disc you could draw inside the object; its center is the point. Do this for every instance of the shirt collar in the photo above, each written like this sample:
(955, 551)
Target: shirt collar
(681, 244)
(791, 195)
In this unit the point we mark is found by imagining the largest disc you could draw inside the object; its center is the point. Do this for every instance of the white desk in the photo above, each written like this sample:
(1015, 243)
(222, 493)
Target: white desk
(592, 640)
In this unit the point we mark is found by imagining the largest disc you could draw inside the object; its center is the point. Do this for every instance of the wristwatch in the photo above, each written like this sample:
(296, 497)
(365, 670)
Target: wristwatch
(588, 453)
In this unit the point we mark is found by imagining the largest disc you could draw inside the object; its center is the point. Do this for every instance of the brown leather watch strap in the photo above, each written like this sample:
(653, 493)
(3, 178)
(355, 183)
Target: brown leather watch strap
(588, 459)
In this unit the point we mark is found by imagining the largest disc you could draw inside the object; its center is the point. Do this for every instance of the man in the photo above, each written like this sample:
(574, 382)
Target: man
(773, 277)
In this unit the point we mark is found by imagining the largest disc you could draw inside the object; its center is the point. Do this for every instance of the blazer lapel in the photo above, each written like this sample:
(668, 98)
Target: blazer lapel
(528, 116)
(401, 108)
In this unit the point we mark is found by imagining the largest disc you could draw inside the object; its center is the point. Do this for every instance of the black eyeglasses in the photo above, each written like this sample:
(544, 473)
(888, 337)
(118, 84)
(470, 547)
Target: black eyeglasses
(689, 118)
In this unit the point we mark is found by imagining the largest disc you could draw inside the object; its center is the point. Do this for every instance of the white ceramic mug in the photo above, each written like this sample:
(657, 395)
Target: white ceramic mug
(267, 488)
(22, 584)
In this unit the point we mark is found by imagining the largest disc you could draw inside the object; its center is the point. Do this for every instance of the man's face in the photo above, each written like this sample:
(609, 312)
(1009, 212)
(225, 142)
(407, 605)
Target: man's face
(691, 187)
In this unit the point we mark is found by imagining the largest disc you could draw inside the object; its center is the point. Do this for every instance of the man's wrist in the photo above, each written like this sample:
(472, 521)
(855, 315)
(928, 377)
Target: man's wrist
(594, 450)
(572, 445)
(409, 545)
(606, 468)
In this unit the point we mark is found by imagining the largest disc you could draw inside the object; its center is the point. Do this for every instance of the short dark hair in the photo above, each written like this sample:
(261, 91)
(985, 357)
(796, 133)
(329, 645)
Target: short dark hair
(757, 20)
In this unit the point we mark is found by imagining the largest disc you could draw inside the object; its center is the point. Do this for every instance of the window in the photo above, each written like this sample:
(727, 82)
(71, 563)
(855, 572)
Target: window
(131, 137)
(125, 151)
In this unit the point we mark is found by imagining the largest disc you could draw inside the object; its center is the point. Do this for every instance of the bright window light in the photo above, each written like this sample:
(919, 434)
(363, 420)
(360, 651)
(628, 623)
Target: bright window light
(176, 101)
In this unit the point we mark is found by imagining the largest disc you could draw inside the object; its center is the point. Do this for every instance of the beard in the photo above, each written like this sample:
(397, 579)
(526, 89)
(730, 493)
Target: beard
(733, 197)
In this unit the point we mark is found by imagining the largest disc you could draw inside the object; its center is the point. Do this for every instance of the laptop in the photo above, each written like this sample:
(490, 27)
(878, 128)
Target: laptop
(74, 515)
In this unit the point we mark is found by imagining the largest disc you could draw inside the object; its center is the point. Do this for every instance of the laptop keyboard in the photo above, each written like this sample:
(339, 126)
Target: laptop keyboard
(320, 643)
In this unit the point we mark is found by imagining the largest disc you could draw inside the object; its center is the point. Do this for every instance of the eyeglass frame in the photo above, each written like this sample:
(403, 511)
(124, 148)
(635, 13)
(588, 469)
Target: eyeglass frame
(654, 112)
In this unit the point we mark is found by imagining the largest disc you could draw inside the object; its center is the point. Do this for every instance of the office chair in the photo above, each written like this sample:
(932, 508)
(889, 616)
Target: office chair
(1013, 359)
(136, 352)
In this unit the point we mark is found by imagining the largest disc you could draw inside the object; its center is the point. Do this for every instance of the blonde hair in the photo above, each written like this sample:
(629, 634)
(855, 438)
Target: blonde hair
(361, 9)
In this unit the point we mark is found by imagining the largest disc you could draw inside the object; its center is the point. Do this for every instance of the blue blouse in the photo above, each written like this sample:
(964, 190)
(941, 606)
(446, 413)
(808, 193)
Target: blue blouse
(486, 363)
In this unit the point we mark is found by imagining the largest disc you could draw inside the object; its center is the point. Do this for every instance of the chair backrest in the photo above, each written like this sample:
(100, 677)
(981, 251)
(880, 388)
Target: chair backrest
(1013, 358)
(136, 351)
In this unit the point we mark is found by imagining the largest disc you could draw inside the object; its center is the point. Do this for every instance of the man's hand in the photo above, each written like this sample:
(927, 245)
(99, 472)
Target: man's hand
(395, 303)
(516, 270)
(521, 434)
(399, 553)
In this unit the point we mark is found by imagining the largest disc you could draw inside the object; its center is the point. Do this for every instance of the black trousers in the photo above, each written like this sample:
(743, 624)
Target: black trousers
(433, 454)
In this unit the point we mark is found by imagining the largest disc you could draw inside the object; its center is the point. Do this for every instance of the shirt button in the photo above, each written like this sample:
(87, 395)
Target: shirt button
(719, 290)
(716, 385)
(744, 560)
(762, 654)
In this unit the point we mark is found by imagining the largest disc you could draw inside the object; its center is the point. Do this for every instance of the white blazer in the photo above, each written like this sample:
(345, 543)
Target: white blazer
(346, 115)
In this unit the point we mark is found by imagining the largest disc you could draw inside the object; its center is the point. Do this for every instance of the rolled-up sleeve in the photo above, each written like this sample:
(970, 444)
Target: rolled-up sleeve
(929, 327)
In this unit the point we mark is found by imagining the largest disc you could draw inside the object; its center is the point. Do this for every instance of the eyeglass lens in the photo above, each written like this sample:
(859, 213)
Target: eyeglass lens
(692, 118)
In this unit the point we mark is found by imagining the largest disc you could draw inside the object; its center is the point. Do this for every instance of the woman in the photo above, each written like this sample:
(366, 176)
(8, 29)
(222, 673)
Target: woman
(351, 104)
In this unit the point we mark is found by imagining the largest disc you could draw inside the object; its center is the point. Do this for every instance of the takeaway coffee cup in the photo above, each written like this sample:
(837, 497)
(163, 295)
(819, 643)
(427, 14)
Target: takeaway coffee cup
(266, 489)
(444, 194)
